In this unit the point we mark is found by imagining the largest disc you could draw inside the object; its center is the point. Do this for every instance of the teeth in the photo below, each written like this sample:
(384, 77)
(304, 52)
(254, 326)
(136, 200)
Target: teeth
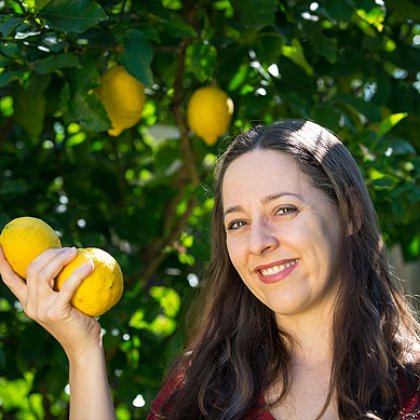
(277, 268)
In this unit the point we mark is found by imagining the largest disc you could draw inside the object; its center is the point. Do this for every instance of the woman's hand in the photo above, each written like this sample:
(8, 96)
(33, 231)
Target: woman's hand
(75, 331)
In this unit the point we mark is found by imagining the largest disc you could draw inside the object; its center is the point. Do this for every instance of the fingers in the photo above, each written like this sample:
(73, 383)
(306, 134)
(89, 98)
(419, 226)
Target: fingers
(11, 279)
(73, 282)
(40, 279)
(47, 265)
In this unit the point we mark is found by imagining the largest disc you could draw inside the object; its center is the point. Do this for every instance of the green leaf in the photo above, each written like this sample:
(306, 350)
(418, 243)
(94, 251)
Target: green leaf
(177, 28)
(338, 10)
(86, 109)
(397, 146)
(55, 62)
(72, 16)
(137, 56)
(30, 105)
(39, 4)
(389, 123)
(255, 12)
(168, 299)
(7, 77)
(374, 17)
(8, 24)
(327, 115)
(325, 46)
(368, 109)
(10, 49)
(4, 61)
(404, 9)
(13, 187)
(295, 53)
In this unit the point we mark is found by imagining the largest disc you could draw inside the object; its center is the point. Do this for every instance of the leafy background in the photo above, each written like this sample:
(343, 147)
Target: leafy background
(145, 196)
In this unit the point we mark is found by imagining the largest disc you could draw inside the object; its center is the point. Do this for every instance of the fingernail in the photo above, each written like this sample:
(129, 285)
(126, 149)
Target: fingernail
(88, 266)
(68, 250)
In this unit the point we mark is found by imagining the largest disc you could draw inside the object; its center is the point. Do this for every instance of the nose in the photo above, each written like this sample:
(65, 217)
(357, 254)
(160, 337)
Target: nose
(262, 238)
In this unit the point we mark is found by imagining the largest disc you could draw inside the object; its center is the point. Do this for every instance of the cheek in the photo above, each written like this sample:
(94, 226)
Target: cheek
(236, 254)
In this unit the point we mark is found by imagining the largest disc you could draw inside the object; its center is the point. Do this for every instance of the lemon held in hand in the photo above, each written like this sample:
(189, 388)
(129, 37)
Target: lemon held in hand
(102, 289)
(23, 239)
(123, 98)
(209, 113)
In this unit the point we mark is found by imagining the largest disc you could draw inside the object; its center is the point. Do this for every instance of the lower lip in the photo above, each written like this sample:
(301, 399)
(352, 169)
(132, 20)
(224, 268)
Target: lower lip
(275, 278)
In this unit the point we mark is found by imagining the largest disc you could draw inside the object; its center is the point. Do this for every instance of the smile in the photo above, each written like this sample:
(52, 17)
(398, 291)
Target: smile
(277, 268)
(271, 274)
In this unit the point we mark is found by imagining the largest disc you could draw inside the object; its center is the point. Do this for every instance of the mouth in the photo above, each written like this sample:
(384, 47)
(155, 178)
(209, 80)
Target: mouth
(276, 272)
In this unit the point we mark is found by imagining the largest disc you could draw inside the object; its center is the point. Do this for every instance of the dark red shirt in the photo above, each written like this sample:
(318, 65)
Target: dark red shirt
(409, 411)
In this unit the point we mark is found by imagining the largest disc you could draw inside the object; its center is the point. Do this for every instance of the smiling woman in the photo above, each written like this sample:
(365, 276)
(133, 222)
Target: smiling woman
(283, 238)
(299, 316)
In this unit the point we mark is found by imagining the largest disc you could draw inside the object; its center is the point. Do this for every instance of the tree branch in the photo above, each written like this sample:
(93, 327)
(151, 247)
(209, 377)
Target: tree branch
(172, 227)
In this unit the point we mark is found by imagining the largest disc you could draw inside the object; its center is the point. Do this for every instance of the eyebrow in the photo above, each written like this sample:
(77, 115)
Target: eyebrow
(267, 199)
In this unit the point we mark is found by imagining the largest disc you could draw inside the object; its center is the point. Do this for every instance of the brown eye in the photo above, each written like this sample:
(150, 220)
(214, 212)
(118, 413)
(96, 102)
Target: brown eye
(236, 224)
(284, 210)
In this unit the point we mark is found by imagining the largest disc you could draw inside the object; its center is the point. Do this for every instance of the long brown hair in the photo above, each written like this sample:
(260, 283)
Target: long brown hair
(236, 350)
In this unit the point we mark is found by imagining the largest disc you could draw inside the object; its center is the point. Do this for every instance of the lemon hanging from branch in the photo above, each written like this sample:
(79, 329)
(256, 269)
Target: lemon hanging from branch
(209, 113)
(123, 98)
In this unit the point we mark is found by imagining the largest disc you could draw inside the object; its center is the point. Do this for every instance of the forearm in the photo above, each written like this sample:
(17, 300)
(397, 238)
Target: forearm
(90, 397)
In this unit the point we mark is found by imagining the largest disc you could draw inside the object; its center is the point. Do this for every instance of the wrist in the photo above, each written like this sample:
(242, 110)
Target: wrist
(85, 354)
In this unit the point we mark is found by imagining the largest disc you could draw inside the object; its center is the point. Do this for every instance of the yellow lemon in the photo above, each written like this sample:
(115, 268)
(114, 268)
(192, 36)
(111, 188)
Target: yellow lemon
(102, 289)
(25, 238)
(123, 98)
(209, 113)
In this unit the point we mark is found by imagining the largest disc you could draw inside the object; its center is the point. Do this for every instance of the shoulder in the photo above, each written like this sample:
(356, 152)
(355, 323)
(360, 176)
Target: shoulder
(172, 383)
(410, 409)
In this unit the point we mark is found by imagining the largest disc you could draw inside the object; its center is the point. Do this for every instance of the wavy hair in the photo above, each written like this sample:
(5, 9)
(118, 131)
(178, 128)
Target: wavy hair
(236, 350)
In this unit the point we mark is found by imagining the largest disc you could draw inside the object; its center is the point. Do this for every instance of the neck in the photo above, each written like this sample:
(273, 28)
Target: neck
(312, 336)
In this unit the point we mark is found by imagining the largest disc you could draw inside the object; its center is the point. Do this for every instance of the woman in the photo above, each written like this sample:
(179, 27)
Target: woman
(301, 316)
(298, 316)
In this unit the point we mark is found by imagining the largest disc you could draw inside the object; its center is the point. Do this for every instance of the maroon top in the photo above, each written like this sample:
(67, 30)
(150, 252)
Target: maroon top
(409, 411)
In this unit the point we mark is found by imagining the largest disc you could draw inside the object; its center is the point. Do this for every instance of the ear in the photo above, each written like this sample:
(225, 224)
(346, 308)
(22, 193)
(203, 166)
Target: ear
(354, 210)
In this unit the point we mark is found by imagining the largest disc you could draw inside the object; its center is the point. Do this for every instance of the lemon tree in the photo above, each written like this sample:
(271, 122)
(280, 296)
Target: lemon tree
(114, 166)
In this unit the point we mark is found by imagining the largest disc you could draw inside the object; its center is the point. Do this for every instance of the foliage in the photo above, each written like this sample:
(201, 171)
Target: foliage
(352, 65)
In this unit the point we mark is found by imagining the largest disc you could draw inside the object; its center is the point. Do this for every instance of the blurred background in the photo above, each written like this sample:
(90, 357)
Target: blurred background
(145, 195)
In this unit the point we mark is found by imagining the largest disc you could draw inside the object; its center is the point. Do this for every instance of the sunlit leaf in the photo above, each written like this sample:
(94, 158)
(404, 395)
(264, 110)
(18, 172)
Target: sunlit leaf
(168, 299)
(390, 122)
(295, 53)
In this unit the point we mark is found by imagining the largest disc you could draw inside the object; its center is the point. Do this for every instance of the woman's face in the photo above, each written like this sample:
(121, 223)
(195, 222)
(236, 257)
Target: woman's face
(283, 235)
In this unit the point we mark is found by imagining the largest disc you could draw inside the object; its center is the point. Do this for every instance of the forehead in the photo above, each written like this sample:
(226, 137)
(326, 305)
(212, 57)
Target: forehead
(263, 172)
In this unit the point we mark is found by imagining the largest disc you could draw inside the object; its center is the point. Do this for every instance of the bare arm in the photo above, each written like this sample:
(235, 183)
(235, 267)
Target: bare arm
(78, 334)
(90, 397)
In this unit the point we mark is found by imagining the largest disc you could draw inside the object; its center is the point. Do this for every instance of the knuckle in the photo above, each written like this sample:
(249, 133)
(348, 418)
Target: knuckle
(52, 315)
(32, 270)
